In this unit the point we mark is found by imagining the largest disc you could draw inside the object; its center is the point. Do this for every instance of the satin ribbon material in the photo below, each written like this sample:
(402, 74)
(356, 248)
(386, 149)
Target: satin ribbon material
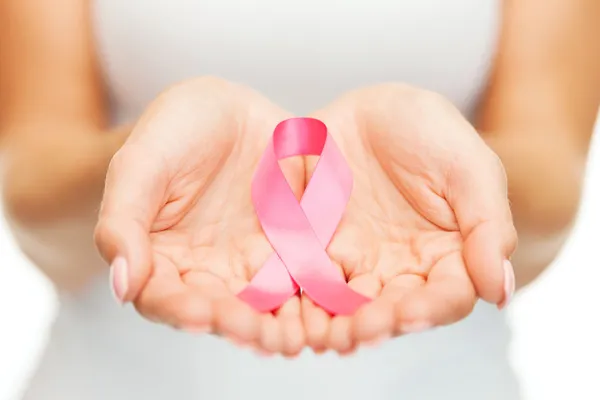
(299, 232)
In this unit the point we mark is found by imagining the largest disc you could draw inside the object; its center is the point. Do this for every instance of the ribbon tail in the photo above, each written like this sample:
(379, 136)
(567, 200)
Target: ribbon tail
(271, 287)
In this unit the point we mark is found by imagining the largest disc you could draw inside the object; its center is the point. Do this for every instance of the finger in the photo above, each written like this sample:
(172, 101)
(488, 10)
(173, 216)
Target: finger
(271, 337)
(341, 336)
(316, 324)
(269, 340)
(293, 337)
(375, 322)
(237, 321)
(317, 321)
(232, 318)
(135, 187)
(166, 299)
(447, 297)
(477, 192)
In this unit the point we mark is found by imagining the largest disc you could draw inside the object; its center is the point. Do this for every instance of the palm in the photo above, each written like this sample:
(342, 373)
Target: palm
(399, 241)
(178, 221)
(217, 245)
(394, 243)
(216, 239)
(204, 238)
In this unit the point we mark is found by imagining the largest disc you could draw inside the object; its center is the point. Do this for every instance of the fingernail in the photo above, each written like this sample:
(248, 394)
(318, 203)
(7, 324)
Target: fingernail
(119, 280)
(509, 284)
(416, 327)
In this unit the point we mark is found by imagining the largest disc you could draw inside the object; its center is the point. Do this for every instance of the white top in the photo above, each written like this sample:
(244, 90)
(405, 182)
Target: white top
(301, 54)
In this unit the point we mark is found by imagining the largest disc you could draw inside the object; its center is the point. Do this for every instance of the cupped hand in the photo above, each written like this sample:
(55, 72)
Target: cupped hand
(177, 223)
(428, 228)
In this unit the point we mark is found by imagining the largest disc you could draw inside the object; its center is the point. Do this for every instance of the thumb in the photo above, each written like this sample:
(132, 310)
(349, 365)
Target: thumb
(134, 188)
(477, 192)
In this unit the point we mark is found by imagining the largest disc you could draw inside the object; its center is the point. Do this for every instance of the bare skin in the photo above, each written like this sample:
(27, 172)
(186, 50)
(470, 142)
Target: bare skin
(179, 213)
(538, 116)
(58, 145)
(424, 234)
(178, 225)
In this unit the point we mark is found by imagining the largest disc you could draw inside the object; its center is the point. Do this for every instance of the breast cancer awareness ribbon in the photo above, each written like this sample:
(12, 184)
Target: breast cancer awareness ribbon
(300, 232)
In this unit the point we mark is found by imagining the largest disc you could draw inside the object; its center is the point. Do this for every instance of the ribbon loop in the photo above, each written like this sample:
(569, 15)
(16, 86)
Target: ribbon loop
(300, 232)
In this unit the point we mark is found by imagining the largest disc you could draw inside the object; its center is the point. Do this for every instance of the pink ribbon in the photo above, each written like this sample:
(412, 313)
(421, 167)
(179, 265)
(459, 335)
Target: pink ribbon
(299, 232)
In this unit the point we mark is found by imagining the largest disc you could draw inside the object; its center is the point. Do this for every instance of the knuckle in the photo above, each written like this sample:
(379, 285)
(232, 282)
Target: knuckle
(513, 238)
(102, 232)
(429, 102)
(116, 166)
(430, 98)
(496, 164)
(120, 159)
(497, 171)
(208, 81)
(395, 89)
(187, 92)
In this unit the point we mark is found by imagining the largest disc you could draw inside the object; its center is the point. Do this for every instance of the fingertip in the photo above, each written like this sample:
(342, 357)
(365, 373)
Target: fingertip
(237, 320)
(293, 336)
(270, 336)
(119, 280)
(106, 239)
(126, 247)
(340, 335)
(479, 197)
(510, 240)
(316, 324)
(484, 253)
(373, 320)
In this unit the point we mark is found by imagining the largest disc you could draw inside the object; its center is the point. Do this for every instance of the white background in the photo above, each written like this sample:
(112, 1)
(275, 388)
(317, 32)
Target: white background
(556, 348)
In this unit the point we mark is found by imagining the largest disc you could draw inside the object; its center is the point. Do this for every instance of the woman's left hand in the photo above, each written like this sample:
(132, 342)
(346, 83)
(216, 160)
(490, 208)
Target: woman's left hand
(428, 229)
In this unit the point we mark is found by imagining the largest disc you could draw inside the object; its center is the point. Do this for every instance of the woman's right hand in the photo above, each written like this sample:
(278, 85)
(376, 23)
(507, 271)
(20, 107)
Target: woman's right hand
(177, 224)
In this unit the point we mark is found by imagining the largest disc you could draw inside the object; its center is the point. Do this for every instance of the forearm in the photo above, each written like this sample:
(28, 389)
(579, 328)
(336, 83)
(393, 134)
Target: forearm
(53, 177)
(53, 133)
(54, 171)
(538, 113)
(545, 179)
